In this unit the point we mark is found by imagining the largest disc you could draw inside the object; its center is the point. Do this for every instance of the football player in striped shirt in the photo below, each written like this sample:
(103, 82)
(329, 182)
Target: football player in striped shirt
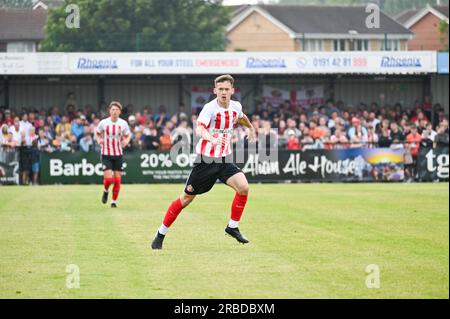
(215, 126)
(113, 134)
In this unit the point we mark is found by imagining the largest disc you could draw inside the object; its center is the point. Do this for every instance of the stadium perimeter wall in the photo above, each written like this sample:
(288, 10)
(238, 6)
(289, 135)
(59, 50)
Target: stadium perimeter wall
(340, 165)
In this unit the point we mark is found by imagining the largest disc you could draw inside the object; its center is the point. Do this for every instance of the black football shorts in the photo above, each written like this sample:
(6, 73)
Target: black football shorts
(206, 172)
(113, 163)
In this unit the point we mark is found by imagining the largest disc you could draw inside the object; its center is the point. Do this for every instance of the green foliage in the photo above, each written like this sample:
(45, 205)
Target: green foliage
(443, 31)
(139, 25)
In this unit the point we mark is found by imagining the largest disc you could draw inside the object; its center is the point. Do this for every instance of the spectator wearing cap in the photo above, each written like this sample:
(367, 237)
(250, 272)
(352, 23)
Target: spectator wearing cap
(132, 122)
(292, 140)
(291, 127)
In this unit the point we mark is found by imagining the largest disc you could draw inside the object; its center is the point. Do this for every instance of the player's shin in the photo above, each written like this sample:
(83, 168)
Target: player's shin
(171, 215)
(116, 187)
(237, 208)
(107, 181)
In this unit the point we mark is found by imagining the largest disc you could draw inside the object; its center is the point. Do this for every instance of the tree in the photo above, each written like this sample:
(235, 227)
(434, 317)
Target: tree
(16, 3)
(139, 25)
(443, 32)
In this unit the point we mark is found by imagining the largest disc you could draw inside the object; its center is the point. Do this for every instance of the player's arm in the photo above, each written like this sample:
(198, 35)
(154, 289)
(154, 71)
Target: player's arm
(99, 133)
(126, 136)
(126, 140)
(203, 133)
(98, 137)
(244, 120)
(204, 118)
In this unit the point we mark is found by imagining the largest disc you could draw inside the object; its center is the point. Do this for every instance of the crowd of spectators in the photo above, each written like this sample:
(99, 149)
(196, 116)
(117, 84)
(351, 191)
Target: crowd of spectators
(328, 126)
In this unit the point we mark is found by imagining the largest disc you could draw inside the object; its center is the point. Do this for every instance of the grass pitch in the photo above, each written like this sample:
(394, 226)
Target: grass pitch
(307, 241)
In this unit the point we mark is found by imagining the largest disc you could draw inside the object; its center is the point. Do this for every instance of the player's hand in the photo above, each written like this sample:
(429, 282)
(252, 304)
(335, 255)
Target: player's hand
(222, 141)
(251, 135)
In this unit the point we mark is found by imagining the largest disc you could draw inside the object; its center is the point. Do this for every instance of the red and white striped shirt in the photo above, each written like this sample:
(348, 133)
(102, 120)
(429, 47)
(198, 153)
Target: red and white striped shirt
(112, 135)
(219, 121)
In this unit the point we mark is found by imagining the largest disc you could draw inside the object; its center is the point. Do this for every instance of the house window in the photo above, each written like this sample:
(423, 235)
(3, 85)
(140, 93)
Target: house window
(362, 45)
(390, 45)
(20, 47)
(352, 45)
(340, 45)
(313, 45)
(396, 45)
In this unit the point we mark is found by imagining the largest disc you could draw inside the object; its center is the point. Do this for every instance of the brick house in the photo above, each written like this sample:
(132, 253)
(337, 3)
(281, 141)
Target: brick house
(312, 28)
(424, 23)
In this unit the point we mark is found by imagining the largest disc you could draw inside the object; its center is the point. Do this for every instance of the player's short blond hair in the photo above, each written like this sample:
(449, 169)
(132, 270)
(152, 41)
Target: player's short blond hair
(224, 78)
(115, 103)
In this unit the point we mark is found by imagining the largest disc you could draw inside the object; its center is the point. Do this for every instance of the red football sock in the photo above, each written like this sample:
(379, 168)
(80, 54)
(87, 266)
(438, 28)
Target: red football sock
(237, 208)
(172, 212)
(107, 181)
(116, 188)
